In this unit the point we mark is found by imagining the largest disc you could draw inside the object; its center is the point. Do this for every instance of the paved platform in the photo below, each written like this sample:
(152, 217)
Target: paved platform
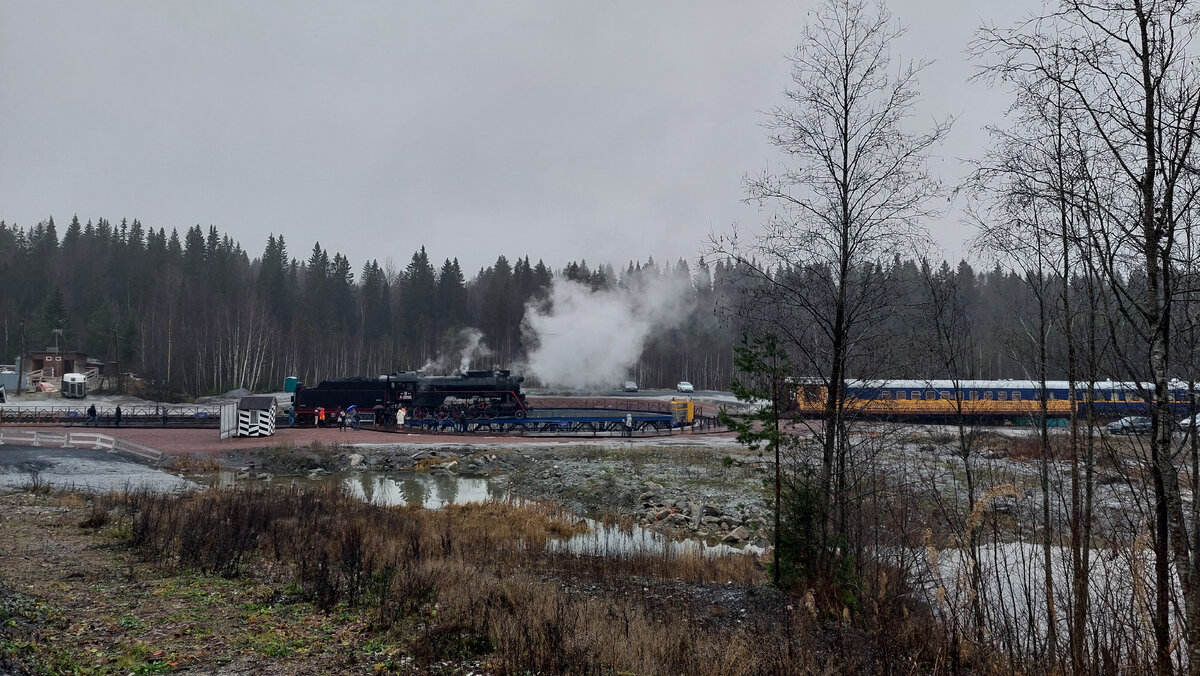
(177, 441)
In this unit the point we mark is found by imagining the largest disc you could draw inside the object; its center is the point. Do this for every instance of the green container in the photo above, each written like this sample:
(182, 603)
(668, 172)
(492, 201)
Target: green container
(289, 384)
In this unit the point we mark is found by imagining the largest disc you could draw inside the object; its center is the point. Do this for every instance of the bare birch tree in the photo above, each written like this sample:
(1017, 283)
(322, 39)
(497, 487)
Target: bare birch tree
(848, 198)
(1132, 75)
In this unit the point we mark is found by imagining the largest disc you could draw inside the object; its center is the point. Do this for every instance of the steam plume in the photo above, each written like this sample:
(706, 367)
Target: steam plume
(585, 338)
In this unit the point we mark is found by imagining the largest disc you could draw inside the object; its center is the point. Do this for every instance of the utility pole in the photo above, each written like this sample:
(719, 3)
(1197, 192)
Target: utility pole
(21, 359)
(117, 357)
(775, 443)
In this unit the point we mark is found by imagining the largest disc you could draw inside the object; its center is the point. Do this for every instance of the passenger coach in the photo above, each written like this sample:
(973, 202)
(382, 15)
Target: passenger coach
(990, 399)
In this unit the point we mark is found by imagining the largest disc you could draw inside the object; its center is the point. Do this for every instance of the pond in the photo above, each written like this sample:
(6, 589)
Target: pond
(436, 490)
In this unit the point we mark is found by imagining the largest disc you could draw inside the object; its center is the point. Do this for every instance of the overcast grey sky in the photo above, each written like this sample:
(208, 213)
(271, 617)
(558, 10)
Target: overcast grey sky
(563, 130)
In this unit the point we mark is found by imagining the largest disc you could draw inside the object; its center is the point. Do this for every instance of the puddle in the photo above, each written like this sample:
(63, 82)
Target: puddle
(431, 491)
(436, 490)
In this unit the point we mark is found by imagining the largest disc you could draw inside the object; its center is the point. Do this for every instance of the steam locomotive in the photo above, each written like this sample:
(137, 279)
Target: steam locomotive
(474, 394)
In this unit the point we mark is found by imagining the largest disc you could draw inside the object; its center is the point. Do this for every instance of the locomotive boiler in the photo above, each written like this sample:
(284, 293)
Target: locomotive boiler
(473, 394)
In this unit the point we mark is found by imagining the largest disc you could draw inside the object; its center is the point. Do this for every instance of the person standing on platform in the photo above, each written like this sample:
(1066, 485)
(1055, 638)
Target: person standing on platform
(117, 416)
(92, 419)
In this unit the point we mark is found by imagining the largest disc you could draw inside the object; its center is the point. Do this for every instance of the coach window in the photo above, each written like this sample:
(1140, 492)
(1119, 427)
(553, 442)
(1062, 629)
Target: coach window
(987, 396)
(974, 395)
(916, 394)
(946, 395)
(930, 394)
(1016, 396)
(1001, 396)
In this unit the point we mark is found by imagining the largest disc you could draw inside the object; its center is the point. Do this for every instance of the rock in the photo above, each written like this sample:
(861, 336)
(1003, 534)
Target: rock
(739, 534)
(711, 510)
(662, 514)
(647, 498)
(653, 486)
(709, 520)
(421, 455)
(356, 459)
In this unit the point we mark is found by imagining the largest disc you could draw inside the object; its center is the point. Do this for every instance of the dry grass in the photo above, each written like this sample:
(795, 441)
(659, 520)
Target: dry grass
(189, 464)
(478, 583)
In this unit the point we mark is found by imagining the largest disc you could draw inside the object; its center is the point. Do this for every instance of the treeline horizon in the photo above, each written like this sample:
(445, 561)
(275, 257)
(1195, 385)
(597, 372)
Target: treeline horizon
(197, 311)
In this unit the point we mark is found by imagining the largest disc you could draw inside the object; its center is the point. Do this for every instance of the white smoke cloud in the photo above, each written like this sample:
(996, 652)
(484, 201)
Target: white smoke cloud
(592, 338)
(466, 351)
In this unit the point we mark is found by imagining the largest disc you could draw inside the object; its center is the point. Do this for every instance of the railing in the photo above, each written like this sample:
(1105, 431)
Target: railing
(77, 415)
(92, 440)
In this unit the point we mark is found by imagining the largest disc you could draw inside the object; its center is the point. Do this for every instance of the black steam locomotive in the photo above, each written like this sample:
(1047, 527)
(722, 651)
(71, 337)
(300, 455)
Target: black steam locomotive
(474, 394)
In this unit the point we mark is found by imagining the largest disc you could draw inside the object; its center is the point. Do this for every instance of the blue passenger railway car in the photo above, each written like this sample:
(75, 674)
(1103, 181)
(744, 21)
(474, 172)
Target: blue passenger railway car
(990, 400)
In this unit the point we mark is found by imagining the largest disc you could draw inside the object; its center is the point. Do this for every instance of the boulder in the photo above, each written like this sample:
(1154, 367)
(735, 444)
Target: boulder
(711, 510)
(356, 459)
(739, 534)
(648, 497)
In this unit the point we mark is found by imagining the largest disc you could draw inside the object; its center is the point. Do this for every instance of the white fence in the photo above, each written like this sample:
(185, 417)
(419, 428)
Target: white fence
(229, 420)
(91, 440)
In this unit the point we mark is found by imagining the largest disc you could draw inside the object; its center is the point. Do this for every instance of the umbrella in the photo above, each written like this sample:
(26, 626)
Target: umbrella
(351, 406)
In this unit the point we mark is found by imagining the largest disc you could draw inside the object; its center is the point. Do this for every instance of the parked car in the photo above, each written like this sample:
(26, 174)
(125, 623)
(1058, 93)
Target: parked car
(1189, 423)
(685, 386)
(629, 386)
(1134, 424)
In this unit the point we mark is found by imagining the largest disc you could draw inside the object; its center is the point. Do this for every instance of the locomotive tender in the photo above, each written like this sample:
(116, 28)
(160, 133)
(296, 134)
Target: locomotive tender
(473, 394)
(989, 399)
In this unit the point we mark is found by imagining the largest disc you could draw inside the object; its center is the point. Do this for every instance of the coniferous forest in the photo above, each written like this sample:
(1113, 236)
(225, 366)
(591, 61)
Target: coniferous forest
(198, 310)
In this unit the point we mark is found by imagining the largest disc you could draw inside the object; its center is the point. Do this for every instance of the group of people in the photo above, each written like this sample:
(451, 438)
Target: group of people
(343, 417)
(93, 418)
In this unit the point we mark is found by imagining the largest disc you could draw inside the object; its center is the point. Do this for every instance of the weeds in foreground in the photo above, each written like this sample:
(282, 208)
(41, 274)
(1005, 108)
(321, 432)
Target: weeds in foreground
(478, 583)
(36, 484)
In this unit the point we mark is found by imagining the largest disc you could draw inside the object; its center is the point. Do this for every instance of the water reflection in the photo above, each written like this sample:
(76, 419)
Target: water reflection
(431, 491)
(611, 540)
(434, 491)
